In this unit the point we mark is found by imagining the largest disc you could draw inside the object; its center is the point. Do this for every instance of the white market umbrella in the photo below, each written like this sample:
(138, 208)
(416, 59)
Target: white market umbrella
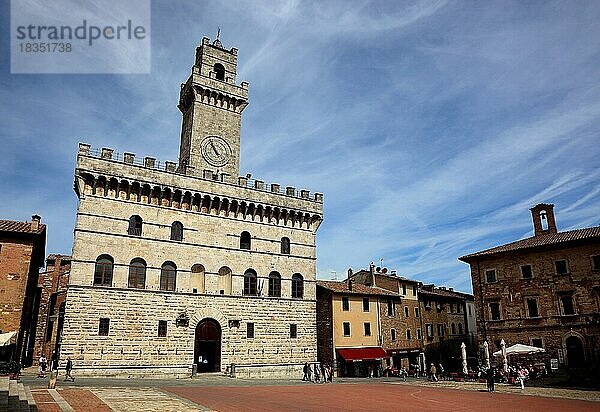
(518, 349)
(504, 356)
(8, 338)
(463, 354)
(486, 355)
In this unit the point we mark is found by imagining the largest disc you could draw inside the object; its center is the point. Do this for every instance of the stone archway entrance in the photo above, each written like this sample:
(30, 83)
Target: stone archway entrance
(207, 346)
(575, 355)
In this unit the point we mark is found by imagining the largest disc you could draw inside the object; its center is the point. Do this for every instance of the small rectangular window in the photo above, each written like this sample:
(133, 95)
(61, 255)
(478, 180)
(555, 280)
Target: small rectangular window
(390, 307)
(407, 334)
(495, 310)
(162, 328)
(429, 330)
(419, 336)
(417, 312)
(293, 330)
(345, 303)
(250, 330)
(526, 272)
(367, 329)
(404, 289)
(532, 308)
(346, 328)
(561, 267)
(103, 327)
(365, 304)
(406, 313)
(567, 305)
(490, 275)
(441, 330)
(414, 291)
(393, 334)
(596, 262)
(537, 342)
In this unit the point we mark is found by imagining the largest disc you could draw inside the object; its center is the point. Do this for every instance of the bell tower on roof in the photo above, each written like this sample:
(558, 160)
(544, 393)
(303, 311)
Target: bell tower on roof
(212, 104)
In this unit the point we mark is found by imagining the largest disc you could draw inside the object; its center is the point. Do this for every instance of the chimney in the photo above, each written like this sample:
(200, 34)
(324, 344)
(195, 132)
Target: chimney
(543, 219)
(350, 285)
(349, 273)
(35, 222)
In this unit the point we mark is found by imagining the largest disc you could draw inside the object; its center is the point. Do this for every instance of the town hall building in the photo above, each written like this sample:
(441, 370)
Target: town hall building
(189, 268)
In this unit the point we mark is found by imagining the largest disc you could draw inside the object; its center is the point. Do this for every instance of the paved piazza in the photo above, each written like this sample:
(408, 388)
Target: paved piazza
(219, 393)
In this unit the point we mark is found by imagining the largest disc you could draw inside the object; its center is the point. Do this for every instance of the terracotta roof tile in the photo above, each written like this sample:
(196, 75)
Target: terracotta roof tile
(20, 227)
(357, 288)
(538, 241)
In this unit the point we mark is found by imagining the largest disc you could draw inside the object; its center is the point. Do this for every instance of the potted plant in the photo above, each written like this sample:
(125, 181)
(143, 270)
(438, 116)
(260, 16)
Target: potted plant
(11, 368)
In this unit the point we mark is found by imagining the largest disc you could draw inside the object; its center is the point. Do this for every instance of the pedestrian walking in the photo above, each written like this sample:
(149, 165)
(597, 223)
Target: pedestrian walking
(441, 372)
(433, 372)
(68, 370)
(305, 370)
(42, 365)
(490, 377)
(317, 373)
(522, 375)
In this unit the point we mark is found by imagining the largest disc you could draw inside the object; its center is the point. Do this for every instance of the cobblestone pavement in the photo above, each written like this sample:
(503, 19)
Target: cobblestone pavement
(218, 392)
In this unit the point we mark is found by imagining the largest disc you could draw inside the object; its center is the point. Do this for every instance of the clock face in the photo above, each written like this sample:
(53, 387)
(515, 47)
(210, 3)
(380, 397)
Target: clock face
(215, 151)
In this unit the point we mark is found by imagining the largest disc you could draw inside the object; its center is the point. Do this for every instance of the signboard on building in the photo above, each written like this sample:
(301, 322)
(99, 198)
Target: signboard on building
(554, 364)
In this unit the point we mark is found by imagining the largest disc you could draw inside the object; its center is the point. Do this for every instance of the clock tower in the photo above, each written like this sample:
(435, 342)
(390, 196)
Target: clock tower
(211, 104)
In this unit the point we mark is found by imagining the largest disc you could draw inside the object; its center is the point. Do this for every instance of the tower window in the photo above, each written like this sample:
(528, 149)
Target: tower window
(135, 226)
(103, 270)
(526, 272)
(393, 334)
(285, 246)
(495, 310)
(168, 276)
(245, 242)
(250, 282)
(137, 273)
(297, 286)
(162, 328)
(293, 330)
(532, 308)
(103, 326)
(177, 231)
(219, 71)
(274, 284)
(250, 330)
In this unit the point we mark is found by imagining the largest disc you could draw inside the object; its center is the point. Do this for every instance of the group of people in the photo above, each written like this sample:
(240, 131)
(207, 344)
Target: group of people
(434, 372)
(43, 366)
(519, 374)
(317, 373)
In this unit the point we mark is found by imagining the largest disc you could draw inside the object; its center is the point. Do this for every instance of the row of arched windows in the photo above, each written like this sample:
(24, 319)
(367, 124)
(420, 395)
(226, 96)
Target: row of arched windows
(103, 273)
(136, 223)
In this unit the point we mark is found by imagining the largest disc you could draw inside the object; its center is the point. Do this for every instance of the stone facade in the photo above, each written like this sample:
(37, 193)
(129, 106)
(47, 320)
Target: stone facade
(22, 248)
(445, 322)
(51, 294)
(176, 270)
(542, 291)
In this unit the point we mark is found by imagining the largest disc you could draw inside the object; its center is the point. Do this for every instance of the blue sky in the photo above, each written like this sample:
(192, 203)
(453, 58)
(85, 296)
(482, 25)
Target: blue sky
(430, 127)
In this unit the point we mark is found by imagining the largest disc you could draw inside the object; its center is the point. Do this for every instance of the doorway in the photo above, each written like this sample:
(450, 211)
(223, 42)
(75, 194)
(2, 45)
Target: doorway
(575, 355)
(207, 346)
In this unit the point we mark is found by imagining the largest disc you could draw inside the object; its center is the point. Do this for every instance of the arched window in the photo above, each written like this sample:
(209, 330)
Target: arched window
(197, 280)
(297, 286)
(103, 271)
(219, 71)
(453, 328)
(285, 246)
(168, 276)
(460, 329)
(177, 231)
(135, 225)
(137, 274)
(250, 282)
(224, 281)
(544, 219)
(274, 284)
(245, 240)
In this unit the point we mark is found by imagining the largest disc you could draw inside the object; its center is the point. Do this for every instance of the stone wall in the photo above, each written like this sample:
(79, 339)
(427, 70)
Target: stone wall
(511, 291)
(15, 259)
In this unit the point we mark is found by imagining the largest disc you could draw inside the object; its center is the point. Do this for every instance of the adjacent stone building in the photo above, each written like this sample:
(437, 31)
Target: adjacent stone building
(51, 295)
(447, 323)
(542, 291)
(22, 251)
(349, 327)
(187, 267)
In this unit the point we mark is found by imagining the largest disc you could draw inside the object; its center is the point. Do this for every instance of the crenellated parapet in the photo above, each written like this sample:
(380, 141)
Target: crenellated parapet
(107, 173)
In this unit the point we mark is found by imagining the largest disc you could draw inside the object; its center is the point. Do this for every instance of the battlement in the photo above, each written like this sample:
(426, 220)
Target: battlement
(128, 158)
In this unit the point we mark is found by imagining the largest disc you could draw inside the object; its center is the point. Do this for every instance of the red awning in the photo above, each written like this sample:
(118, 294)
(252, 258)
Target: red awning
(356, 354)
